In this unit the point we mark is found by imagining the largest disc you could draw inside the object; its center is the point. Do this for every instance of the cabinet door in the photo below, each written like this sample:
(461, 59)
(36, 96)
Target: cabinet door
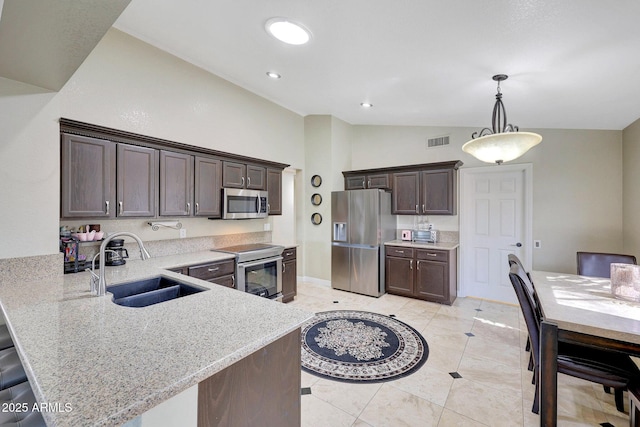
(406, 193)
(137, 181)
(438, 187)
(355, 182)
(233, 174)
(274, 188)
(432, 280)
(289, 277)
(399, 276)
(88, 177)
(256, 177)
(208, 185)
(378, 181)
(176, 183)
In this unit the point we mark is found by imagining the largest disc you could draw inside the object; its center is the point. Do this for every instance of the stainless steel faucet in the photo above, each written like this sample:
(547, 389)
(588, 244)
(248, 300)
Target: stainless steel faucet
(102, 283)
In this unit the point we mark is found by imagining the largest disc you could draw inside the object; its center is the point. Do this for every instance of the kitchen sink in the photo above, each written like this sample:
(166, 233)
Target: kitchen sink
(143, 293)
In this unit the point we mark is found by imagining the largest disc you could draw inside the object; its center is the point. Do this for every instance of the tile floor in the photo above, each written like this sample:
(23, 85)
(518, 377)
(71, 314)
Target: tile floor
(495, 388)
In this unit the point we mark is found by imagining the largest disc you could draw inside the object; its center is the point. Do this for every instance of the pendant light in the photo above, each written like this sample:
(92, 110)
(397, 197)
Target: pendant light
(503, 142)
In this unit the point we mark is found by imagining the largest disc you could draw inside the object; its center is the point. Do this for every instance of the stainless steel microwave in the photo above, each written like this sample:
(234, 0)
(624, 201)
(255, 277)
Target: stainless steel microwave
(244, 204)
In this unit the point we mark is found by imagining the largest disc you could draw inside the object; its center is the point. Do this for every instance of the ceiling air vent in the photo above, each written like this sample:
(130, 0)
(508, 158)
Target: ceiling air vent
(437, 142)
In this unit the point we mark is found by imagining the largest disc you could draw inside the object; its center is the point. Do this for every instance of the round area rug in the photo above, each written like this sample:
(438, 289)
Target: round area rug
(358, 346)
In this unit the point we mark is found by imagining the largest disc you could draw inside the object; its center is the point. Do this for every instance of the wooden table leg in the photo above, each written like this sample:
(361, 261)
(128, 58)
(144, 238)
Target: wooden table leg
(548, 387)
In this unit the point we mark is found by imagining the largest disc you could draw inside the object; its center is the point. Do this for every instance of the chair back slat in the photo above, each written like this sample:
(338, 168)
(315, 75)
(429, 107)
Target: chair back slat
(530, 311)
(598, 264)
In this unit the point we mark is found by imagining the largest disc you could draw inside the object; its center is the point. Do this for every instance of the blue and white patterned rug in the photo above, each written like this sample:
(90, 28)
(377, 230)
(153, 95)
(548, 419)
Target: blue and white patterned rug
(358, 346)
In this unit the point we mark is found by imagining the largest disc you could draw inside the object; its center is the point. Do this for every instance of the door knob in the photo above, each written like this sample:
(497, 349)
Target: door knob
(518, 244)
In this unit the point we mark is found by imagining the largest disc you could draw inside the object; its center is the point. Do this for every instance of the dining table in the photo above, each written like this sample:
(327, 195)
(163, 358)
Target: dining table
(582, 310)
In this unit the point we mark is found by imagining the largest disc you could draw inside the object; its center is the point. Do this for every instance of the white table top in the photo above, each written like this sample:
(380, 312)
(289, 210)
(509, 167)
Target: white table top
(585, 304)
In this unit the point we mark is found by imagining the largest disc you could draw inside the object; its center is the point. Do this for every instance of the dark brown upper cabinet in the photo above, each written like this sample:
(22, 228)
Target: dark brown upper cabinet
(137, 182)
(110, 173)
(425, 189)
(176, 184)
(88, 179)
(359, 182)
(274, 188)
(208, 183)
(241, 175)
(405, 199)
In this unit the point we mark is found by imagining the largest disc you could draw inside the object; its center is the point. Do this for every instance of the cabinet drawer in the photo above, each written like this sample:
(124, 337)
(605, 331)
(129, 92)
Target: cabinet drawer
(288, 254)
(399, 251)
(432, 255)
(227, 281)
(212, 270)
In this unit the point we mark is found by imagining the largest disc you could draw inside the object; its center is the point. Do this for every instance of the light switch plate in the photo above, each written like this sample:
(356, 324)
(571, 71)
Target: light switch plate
(537, 244)
(183, 233)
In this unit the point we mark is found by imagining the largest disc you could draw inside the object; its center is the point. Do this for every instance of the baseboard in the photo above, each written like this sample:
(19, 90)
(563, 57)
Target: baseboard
(315, 281)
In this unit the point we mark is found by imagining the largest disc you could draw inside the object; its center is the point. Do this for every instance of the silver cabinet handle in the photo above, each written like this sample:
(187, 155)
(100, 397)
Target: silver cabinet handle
(197, 207)
(248, 181)
(418, 265)
(428, 254)
(233, 280)
(242, 180)
(188, 208)
(214, 269)
(423, 209)
(417, 211)
(106, 202)
(363, 186)
(120, 208)
(369, 184)
(268, 208)
(400, 252)
(284, 267)
(288, 254)
(410, 264)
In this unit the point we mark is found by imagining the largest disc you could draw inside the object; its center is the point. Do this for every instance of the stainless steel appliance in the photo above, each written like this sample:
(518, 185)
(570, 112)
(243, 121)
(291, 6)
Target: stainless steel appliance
(244, 204)
(258, 269)
(424, 236)
(361, 222)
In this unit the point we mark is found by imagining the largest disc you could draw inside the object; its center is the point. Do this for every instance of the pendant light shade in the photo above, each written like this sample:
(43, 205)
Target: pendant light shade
(503, 142)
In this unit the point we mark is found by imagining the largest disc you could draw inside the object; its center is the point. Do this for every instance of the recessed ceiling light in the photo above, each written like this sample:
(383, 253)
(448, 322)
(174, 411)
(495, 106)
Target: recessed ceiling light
(366, 105)
(274, 75)
(287, 31)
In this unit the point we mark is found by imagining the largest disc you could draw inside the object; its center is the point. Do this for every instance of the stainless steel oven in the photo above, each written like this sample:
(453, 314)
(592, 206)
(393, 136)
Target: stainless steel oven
(258, 269)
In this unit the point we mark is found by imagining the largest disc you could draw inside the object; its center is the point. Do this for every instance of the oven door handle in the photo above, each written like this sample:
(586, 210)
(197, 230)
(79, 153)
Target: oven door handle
(259, 262)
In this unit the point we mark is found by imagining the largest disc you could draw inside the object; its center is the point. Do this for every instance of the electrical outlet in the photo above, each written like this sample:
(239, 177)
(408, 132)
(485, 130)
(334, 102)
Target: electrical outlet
(267, 227)
(537, 244)
(183, 233)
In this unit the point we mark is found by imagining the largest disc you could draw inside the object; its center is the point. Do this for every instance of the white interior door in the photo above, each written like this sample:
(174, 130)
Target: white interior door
(495, 221)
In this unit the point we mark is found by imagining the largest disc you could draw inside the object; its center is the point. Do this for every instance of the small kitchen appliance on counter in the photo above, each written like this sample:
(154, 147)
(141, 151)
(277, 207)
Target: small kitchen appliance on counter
(115, 253)
(425, 236)
(258, 269)
(407, 235)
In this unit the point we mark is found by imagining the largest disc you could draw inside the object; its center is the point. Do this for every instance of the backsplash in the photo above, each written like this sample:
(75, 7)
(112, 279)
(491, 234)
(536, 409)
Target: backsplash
(170, 247)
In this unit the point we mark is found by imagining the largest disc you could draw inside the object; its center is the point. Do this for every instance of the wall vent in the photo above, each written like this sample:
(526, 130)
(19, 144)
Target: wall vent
(437, 142)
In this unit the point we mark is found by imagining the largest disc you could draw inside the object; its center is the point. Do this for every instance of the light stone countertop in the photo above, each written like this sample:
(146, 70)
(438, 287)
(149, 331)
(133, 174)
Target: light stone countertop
(447, 246)
(113, 363)
(585, 304)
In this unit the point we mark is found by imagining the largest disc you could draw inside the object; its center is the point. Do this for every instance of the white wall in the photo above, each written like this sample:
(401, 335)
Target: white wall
(577, 183)
(128, 85)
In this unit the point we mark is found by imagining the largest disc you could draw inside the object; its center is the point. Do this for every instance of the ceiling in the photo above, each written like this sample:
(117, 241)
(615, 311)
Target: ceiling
(572, 64)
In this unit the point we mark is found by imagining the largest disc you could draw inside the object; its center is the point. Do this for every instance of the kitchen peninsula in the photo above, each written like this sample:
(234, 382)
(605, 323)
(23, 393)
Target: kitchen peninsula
(110, 364)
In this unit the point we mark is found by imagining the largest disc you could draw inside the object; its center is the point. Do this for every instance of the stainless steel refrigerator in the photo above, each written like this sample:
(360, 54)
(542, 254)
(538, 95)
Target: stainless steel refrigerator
(361, 222)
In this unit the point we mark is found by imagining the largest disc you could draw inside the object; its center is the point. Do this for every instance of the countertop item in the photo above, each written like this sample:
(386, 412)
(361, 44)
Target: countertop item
(447, 246)
(113, 363)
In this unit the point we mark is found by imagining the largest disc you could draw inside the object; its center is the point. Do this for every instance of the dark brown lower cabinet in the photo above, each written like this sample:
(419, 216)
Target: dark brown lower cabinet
(263, 389)
(218, 272)
(289, 274)
(429, 274)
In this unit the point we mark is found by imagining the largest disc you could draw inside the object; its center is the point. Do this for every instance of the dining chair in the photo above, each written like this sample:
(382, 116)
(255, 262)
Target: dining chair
(600, 366)
(598, 264)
